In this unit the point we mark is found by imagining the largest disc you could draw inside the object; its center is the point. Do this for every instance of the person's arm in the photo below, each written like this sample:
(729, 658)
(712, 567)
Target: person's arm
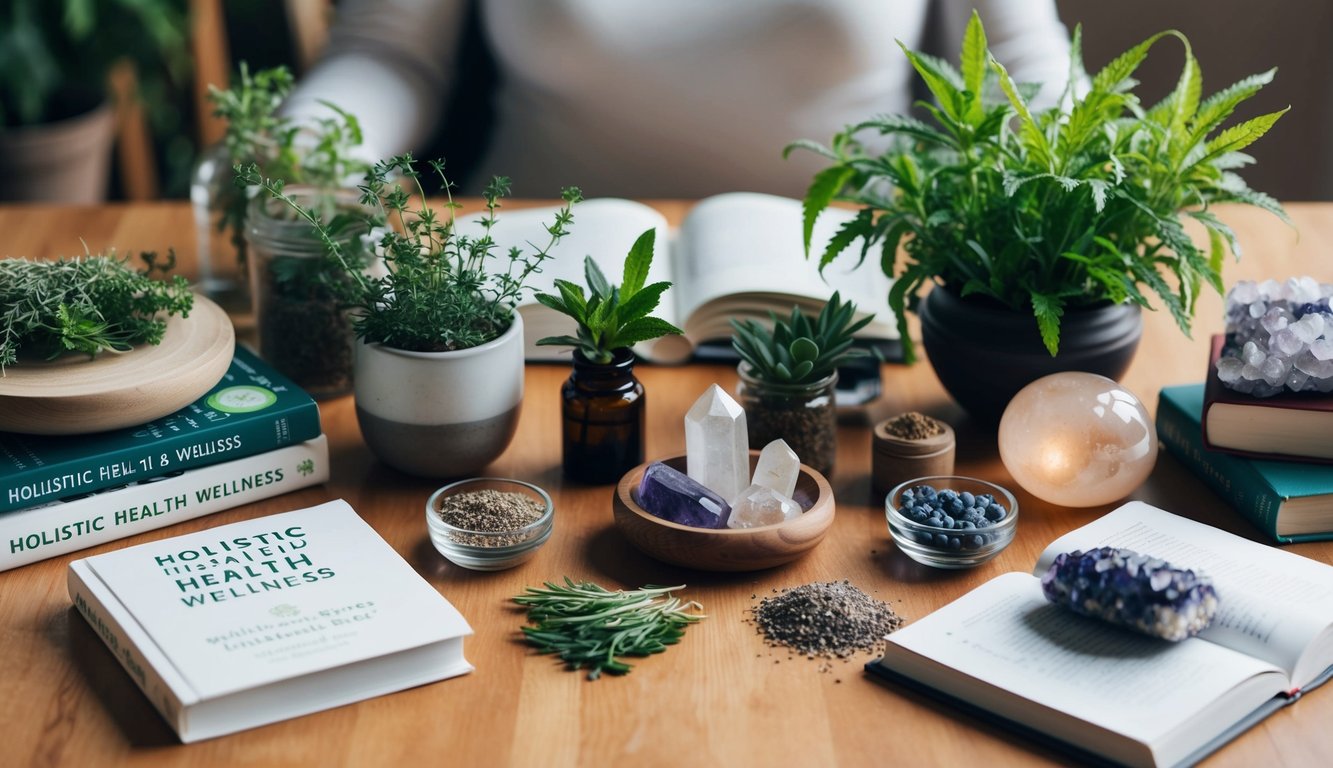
(391, 64)
(1026, 36)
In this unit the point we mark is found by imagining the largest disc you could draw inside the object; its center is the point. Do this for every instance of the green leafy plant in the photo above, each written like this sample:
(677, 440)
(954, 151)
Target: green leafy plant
(611, 317)
(1045, 210)
(442, 289)
(798, 351)
(589, 626)
(88, 305)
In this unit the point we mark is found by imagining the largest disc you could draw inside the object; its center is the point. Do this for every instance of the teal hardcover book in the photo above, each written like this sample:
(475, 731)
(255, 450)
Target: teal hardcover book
(1290, 501)
(253, 409)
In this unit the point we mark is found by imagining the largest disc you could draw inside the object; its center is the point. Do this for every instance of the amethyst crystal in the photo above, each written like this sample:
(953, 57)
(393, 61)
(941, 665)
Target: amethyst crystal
(674, 496)
(1279, 337)
(1132, 590)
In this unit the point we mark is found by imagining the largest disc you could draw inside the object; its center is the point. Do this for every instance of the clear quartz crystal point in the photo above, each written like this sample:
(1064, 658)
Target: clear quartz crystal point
(759, 505)
(778, 468)
(717, 448)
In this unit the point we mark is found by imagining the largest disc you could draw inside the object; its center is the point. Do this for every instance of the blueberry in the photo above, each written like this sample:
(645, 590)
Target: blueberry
(941, 540)
(984, 500)
(967, 498)
(975, 541)
(947, 522)
(954, 507)
(919, 516)
(966, 525)
(994, 512)
(955, 543)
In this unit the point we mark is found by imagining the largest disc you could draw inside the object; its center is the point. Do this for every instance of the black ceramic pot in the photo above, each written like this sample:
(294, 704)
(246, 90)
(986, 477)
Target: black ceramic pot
(983, 353)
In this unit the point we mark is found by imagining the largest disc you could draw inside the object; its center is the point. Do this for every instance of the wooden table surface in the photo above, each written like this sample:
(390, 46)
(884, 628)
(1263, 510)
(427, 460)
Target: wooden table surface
(721, 697)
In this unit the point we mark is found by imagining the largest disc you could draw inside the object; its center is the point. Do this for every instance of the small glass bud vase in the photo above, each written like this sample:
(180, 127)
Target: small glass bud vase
(802, 414)
(302, 331)
(601, 411)
(223, 276)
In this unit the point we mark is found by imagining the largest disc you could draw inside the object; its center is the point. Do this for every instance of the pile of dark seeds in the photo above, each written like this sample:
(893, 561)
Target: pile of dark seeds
(825, 619)
(489, 511)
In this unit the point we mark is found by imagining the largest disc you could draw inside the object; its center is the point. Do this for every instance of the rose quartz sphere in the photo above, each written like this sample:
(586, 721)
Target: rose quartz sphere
(1077, 440)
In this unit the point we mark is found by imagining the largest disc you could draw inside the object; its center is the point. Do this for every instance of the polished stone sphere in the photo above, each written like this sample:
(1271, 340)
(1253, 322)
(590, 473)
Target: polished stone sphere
(1077, 440)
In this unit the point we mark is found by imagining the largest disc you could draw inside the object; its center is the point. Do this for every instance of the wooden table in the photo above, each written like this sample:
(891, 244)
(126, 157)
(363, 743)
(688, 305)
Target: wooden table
(721, 697)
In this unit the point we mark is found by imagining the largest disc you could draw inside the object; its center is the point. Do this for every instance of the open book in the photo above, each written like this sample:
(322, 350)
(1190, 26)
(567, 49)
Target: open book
(735, 255)
(1003, 650)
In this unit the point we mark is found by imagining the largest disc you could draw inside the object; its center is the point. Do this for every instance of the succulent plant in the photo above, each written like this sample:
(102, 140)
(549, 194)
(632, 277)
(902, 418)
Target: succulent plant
(798, 351)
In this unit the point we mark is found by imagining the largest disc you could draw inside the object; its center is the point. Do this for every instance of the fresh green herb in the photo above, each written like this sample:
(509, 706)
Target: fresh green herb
(89, 305)
(611, 317)
(798, 351)
(443, 289)
(1079, 204)
(589, 626)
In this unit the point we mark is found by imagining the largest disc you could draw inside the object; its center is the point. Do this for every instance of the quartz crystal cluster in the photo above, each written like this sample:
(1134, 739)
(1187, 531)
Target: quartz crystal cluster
(716, 491)
(1132, 590)
(1279, 337)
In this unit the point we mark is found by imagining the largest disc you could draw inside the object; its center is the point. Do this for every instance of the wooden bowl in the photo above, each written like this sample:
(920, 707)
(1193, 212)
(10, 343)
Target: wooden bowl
(725, 549)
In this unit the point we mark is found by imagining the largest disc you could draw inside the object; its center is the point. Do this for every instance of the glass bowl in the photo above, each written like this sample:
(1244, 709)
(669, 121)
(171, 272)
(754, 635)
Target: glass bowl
(488, 550)
(957, 547)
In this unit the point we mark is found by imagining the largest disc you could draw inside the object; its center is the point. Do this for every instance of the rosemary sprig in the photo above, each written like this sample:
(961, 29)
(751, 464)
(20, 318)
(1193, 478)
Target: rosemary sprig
(588, 626)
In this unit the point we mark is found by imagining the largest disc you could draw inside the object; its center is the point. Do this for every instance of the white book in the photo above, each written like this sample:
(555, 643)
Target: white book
(267, 619)
(1004, 651)
(48, 530)
(739, 255)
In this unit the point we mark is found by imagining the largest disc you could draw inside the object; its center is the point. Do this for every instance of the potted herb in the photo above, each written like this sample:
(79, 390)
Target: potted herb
(787, 378)
(602, 403)
(57, 119)
(1043, 231)
(439, 364)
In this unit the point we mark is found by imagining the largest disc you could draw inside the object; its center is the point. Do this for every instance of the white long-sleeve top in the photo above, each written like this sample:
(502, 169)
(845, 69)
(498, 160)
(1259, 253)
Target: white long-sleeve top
(649, 98)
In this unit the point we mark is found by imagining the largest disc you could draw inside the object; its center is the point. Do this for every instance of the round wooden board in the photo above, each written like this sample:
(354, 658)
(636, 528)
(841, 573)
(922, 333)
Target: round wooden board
(75, 394)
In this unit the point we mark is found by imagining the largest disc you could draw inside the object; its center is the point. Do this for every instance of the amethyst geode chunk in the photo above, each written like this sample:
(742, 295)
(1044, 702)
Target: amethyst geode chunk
(675, 496)
(1132, 590)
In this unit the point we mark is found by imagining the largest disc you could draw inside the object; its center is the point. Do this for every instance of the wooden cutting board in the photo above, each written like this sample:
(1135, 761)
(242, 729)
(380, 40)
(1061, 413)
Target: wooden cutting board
(75, 394)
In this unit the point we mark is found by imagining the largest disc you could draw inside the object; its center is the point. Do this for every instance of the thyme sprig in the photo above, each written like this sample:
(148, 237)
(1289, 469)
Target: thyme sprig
(589, 626)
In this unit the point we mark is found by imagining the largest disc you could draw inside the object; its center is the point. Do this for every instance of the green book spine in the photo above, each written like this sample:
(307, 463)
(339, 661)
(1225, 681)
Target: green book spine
(253, 409)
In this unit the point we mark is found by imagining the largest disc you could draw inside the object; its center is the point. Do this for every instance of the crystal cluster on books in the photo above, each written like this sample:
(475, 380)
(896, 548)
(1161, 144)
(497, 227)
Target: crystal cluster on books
(1279, 337)
(1132, 590)
(716, 490)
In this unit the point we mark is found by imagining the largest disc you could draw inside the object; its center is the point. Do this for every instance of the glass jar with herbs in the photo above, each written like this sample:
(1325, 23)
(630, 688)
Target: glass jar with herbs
(302, 329)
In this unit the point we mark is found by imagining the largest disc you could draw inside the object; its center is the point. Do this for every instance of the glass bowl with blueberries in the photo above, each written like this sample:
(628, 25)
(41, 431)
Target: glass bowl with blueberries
(948, 521)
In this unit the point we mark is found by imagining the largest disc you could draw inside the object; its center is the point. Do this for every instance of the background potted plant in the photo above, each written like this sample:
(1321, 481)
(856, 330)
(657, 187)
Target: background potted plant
(602, 404)
(787, 378)
(439, 366)
(1038, 224)
(56, 117)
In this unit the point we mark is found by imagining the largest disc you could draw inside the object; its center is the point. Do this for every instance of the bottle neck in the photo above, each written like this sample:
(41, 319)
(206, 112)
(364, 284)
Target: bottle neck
(605, 377)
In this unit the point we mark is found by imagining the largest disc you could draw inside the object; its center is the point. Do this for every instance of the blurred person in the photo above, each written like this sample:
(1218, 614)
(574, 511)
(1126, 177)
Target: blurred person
(658, 98)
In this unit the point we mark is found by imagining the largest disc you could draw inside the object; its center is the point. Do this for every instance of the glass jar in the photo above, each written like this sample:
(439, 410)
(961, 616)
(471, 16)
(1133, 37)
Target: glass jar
(302, 331)
(601, 411)
(802, 414)
(223, 276)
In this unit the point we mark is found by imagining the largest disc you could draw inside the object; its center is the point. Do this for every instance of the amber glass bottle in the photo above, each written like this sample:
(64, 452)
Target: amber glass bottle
(602, 407)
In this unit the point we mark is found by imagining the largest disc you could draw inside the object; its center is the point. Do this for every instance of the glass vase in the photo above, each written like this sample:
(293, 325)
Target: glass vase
(601, 410)
(302, 331)
(223, 273)
(802, 414)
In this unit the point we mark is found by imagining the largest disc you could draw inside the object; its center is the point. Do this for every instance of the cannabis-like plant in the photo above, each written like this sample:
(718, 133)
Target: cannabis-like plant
(88, 305)
(611, 317)
(798, 351)
(1045, 210)
(442, 289)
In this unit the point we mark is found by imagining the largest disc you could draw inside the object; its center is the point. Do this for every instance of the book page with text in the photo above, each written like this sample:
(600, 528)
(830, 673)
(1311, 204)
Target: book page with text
(1274, 605)
(1005, 634)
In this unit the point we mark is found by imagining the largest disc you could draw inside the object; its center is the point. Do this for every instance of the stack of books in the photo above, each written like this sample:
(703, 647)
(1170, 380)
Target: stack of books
(1270, 458)
(254, 435)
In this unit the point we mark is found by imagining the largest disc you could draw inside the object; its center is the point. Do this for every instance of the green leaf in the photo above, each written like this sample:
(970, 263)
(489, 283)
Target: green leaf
(1238, 137)
(558, 341)
(1048, 310)
(823, 188)
(861, 226)
(643, 329)
(943, 84)
(1114, 77)
(597, 282)
(643, 302)
(812, 146)
(803, 349)
(1220, 105)
(637, 262)
(972, 61)
(1030, 133)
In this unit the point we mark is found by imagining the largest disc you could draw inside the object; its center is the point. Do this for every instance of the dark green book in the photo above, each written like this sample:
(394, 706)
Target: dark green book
(253, 409)
(1290, 501)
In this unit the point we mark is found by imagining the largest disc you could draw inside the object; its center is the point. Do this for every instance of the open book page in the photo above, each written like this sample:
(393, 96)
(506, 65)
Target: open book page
(1273, 605)
(749, 243)
(603, 229)
(1061, 673)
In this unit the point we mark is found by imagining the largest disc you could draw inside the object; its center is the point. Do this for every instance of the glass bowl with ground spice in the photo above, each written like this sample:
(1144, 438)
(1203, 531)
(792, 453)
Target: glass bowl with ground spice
(489, 523)
(949, 521)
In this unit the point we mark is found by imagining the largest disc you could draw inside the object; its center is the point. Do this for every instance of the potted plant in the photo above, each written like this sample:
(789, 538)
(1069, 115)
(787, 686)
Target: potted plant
(438, 374)
(56, 117)
(1033, 225)
(602, 404)
(787, 378)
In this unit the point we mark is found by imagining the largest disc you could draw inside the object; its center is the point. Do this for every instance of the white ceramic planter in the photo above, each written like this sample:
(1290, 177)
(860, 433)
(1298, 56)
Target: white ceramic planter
(440, 414)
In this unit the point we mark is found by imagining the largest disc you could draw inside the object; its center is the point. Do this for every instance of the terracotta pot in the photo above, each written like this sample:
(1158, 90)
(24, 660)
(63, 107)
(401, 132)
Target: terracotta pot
(67, 161)
(984, 353)
(440, 414)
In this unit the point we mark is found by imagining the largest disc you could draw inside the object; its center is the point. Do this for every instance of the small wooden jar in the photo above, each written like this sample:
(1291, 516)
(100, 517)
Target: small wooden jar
(896, 459)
